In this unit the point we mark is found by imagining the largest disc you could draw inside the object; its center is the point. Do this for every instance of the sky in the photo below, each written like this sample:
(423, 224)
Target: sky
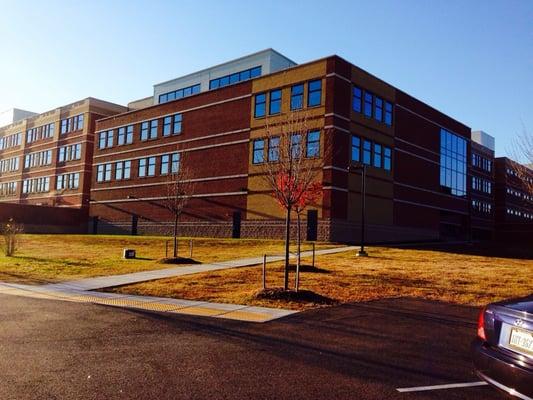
(472, 60)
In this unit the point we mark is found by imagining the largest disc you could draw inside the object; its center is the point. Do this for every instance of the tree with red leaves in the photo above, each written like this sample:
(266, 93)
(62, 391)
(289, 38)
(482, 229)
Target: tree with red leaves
(293, 167)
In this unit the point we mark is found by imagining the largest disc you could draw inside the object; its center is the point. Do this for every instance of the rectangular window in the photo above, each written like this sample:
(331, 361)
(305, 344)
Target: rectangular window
(387, 158)
(61, 155)
(378, 109)
(129, 134)
(273, 149)
(313, 144)
(142, 167)
(452, 163)
(180, 93)
(297, 96)
(127, 169)
(165, 159)
(367, 152)
(167, 123)
(153, 129)
(260, 105)
(368, 104)
(258, 151)
(275, 102)
(177, 124)
(388, 113)
(102, 140)
(234, 78)
(110, 135)
(144, 131)
(151, 166)
(377, 155)
(314, 93)
(357, 99)
(175, 163)
(296, 145)
(100, 173)
(107, 176)
(119, 170)
(64, 126)
(121, 136)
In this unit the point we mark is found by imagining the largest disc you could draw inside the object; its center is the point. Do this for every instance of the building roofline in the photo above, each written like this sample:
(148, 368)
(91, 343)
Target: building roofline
(270, 49)
(33, 117)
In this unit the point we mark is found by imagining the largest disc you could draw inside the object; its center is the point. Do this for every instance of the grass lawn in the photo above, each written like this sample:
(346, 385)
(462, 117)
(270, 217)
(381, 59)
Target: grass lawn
(54, 258)
(389, 272)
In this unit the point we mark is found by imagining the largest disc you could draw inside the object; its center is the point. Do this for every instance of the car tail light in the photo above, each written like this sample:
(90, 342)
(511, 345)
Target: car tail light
(481, 325)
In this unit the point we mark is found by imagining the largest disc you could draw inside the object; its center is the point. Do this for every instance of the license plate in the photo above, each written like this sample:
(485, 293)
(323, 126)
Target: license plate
(521, 340)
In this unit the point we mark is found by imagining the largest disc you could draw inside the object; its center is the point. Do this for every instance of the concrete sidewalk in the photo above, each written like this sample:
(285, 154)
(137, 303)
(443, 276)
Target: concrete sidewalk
(126, 279)
(159, 304)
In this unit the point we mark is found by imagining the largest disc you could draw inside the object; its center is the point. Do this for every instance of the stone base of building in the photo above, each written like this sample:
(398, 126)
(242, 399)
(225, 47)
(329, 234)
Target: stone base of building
(326, 230)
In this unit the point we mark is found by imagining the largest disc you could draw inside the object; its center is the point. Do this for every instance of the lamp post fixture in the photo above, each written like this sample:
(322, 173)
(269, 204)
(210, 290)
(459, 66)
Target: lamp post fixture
(362, 168)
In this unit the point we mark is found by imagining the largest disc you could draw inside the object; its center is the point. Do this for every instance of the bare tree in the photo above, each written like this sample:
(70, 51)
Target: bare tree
(522, 152)
(10, 231)
(179, 190)
(293, 163)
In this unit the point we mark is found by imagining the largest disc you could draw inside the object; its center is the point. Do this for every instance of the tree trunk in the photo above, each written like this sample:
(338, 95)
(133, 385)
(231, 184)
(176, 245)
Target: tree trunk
(176, 236)
(287, 242)
(298, 259)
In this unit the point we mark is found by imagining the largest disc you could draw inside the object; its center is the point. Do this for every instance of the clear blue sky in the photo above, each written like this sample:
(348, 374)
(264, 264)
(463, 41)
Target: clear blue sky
(472, 60)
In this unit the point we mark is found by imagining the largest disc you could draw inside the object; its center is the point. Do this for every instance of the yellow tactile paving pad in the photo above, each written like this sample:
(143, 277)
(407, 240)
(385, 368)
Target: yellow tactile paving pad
(199, 310)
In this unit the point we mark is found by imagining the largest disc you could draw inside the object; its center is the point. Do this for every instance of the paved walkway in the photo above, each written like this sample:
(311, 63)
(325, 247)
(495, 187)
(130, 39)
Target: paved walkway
(81, 291)
(148, 303)
(126, 279)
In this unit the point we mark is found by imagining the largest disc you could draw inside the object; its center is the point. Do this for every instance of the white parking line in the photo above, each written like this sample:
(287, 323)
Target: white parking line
(438, 387)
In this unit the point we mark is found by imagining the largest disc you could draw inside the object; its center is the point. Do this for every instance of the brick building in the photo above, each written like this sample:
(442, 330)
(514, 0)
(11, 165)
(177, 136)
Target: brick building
(46, 159)
(428, 175)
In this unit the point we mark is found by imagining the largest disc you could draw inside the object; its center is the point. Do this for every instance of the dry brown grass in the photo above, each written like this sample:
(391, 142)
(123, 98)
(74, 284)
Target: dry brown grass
(53, 258)
(389, 272)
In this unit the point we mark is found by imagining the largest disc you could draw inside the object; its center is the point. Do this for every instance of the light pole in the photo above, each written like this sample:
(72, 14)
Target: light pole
(362, 168)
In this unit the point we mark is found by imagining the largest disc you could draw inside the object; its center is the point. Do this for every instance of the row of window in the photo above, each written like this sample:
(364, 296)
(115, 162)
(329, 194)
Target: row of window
(40, 132)
(235, 78)
(9, 164)
(148, 130)
(512, 172)
(146, 167)
(72, 124)
(271, 146)
(481, 162)
(453, 163)
(481, 206)
(481, 185)
(371, 106)
(10, 141)
(36, 185)
(68, 181)
(519, 194)
(314, 98)
(68, 153)
(518, 213)
(179, 94)
(371, 153)
(38, 159)
(8, 189)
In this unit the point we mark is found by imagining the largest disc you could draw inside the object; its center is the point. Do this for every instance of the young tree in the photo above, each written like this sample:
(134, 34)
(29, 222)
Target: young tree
(308, 198)
(10, 231)
(293, 164)
(179, 189)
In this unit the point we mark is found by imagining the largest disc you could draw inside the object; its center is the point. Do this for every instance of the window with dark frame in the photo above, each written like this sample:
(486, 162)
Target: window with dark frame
(357, 98)
(388, 113)
(144, 130)
(260, 105)
(275, 102)
(356, 149)
(378, 109)
(314, 93)
(273, 149)
(296, 145)
(258, 151)
(297, 96)
(368, 104)
(313, 144)
(153, 128)
(377, 155)
(177, 124)
(167, 124)
(367, 152)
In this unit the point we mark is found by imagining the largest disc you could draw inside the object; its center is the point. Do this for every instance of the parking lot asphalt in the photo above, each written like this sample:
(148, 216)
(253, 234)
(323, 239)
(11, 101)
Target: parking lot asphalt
(59, 350)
